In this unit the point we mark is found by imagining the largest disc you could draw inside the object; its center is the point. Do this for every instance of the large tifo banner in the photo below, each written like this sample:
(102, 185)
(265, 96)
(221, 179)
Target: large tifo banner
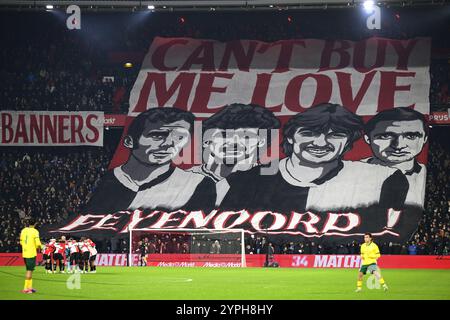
(297, 138)
(44, 128)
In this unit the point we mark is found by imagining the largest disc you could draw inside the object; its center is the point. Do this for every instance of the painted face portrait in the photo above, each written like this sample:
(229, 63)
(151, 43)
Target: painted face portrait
(395, 142)
(161, 143)
(318, 147)
(230, 146)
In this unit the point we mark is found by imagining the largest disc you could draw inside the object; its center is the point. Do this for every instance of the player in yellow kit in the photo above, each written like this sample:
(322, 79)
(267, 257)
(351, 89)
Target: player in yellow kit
(369, 256)
(30, 242)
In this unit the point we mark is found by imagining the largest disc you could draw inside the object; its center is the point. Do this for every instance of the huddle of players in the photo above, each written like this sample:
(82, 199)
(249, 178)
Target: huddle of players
(80, 255)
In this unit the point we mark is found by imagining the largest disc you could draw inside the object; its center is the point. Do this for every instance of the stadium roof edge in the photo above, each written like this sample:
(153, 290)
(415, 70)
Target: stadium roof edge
(168, 5)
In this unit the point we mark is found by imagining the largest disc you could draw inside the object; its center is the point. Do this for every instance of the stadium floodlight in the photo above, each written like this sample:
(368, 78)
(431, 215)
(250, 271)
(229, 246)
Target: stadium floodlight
(368, 5)
(151, 7)
(49, 7)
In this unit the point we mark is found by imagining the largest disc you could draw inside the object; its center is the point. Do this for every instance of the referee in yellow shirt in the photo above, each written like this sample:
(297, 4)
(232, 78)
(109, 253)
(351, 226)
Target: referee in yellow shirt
(30, 242)
(369, 256)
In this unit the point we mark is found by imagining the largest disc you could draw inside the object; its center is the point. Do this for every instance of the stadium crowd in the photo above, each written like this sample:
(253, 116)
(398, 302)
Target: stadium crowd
(47, 184)
(54, 69)
(440, 83)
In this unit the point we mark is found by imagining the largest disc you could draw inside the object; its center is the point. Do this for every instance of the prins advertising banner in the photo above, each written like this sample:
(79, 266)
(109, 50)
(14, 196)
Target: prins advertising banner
(296, 138)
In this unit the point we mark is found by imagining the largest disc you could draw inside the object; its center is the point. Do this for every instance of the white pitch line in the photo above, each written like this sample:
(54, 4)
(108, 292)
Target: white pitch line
(176, 280)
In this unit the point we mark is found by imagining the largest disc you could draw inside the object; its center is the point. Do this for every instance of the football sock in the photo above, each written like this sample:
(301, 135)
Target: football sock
(359, 284)
(28, 284)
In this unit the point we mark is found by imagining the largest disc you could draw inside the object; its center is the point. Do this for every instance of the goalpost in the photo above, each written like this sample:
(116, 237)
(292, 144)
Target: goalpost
(195, 246)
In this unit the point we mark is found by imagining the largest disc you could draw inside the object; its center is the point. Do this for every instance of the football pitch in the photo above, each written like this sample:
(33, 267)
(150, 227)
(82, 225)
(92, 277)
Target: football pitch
(154, 283)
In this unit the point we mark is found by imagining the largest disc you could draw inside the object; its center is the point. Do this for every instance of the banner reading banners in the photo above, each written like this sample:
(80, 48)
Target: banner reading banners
(298, 139)
(42, 128)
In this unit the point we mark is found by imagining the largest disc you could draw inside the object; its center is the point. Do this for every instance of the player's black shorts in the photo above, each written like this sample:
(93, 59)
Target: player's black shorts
(47, 256)
(58, 256)
(92, 258)
(30, 263)
(74, 257)
(85, 256)
(371, 268)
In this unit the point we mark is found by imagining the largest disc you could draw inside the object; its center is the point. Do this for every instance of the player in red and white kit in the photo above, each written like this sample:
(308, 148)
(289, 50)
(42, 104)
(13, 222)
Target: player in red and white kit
(60, 255)
(49, 249)
(74, 257)
(84, 259)
(93, 255)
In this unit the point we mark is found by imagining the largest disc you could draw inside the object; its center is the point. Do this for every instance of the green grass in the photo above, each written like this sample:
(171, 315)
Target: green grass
(225, 283)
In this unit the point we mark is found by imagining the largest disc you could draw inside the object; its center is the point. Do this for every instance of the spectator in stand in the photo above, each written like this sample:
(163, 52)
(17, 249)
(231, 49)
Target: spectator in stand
(354, 248)
(291, 248)
(412, 249)
(342, 249)
(185, 248)
(249, 249)
(172, 246)
(314, 249)
(215, 247)
(320, 249)
(300, 248)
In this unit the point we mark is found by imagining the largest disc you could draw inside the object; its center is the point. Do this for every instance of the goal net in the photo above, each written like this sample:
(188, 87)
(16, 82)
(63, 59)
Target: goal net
(187, 247)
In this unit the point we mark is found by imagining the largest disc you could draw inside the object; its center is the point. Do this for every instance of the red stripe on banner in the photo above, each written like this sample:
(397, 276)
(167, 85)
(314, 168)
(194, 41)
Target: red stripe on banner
(115, 120)
(121, 154)
(302, 261)
(15, 259)
(256, 260)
